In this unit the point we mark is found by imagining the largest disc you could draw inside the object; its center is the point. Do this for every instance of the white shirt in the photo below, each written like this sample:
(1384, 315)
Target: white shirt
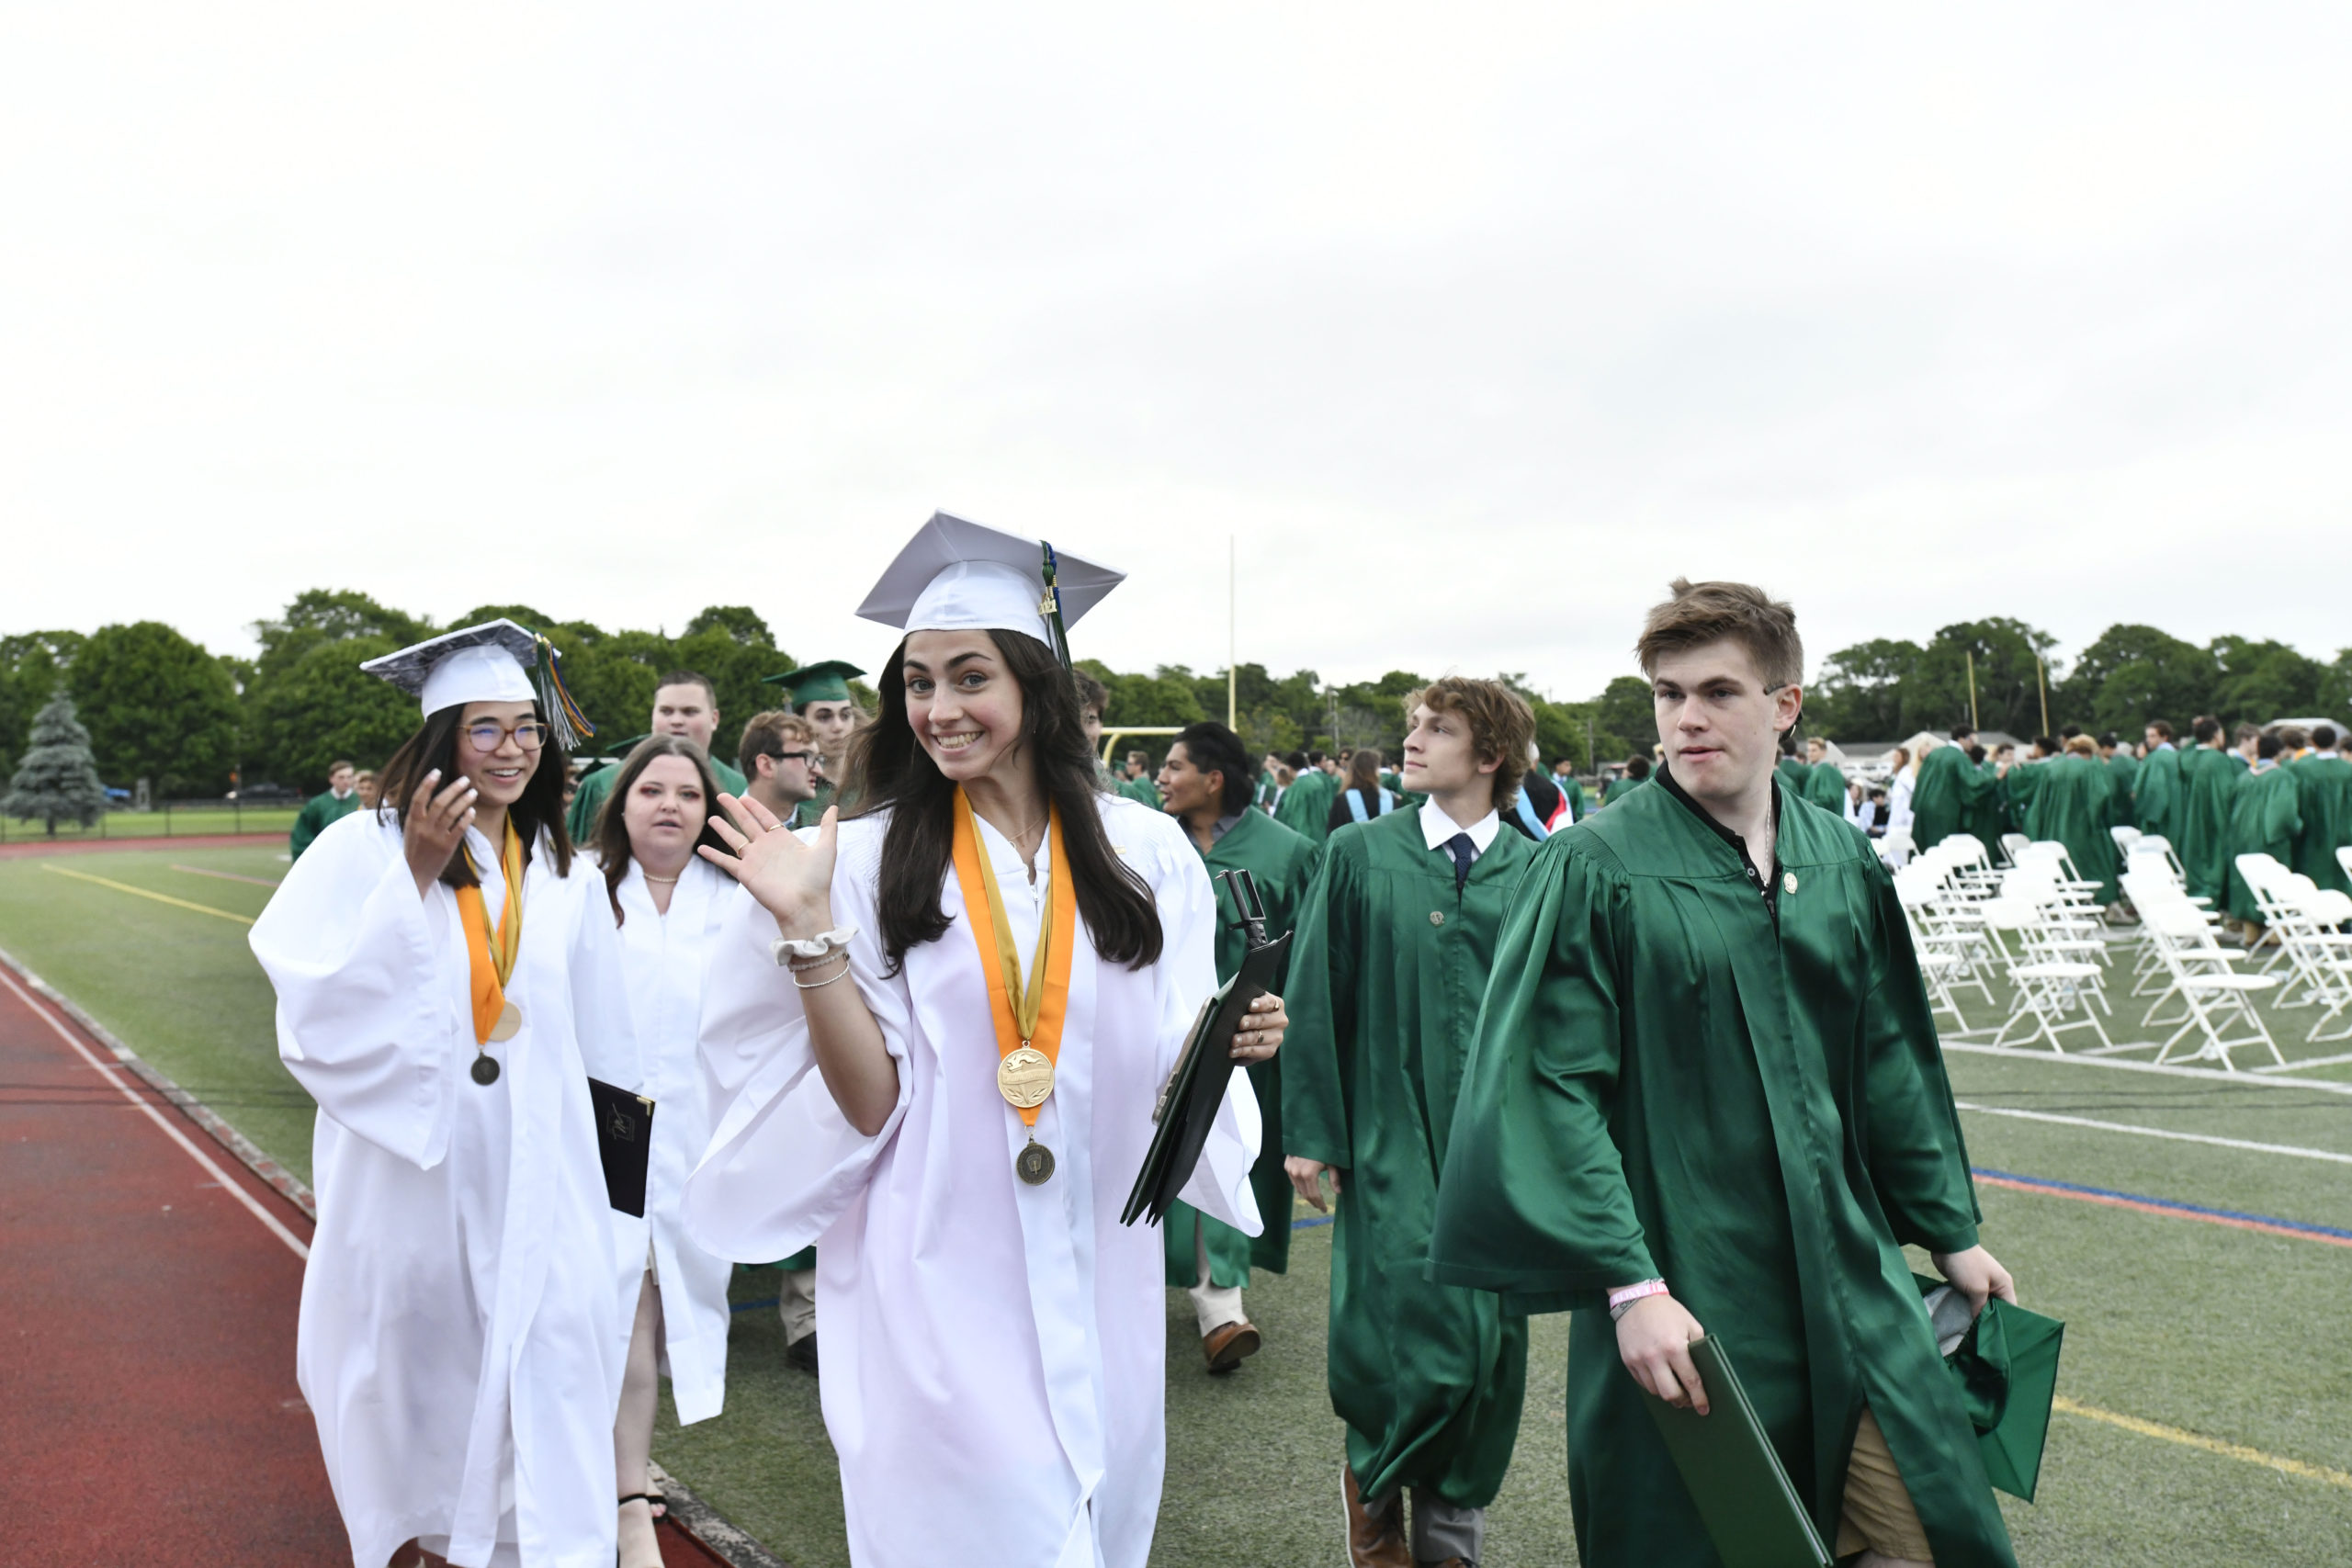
(1437, 827)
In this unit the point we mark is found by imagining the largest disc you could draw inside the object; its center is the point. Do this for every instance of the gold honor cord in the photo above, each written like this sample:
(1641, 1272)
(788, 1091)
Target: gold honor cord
(491, 959)
(1028, 1018)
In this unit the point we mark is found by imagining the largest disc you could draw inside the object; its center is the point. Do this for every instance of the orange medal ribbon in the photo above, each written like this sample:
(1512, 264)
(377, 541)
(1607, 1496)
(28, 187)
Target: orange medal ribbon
(491, 960)
(1008, 1000)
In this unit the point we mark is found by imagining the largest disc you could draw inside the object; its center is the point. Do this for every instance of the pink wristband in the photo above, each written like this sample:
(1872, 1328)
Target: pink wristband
(1627, 1296)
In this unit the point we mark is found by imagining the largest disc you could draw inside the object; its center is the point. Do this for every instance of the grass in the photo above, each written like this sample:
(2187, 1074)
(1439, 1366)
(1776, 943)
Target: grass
(180, 988)
(178, 823)
(2226, 1334)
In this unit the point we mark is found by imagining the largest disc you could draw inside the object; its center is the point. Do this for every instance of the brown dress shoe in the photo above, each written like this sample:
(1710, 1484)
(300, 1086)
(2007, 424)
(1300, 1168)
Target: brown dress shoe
(1228, 1344)
(1373, 1540)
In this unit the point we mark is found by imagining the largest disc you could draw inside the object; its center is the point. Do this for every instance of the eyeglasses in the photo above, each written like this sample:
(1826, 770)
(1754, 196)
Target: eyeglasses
(489, 734)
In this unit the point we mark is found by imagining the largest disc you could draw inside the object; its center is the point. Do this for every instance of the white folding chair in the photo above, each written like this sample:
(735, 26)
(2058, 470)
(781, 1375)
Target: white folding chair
(2124, 838)
(2050, 987)
(2010, 844)
(2214, 994)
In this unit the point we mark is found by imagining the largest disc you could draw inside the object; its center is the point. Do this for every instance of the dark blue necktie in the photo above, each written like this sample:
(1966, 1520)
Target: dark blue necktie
(1464, 851)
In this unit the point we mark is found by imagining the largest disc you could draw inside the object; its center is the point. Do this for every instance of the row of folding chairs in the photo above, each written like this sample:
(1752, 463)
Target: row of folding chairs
(2181, 961)
(2033, 921)
(2312, 958)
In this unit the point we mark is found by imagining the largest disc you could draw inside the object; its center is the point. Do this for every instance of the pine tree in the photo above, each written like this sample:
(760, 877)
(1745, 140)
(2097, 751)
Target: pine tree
(58, 780)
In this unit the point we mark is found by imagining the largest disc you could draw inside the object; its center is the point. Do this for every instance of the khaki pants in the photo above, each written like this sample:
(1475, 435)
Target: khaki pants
(1213, 1306)
(797, 1304)
(1878, 1514)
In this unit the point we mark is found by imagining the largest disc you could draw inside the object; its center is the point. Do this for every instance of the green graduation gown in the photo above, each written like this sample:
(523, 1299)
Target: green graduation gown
(1825, 785)
(1305, 806)
(2021, 790)
(1947, 785)
(2075, 805)
(1283, 865)
(811, 811)
(2264, 819)
(1385, 981)
(2123, 779)
(317, 815)
(1619, 787)
(1793, 771)
(2323, 800)
(1670, 1083)
(1141, 790)
(589, 799)
(2209, 779)
(2155, 795)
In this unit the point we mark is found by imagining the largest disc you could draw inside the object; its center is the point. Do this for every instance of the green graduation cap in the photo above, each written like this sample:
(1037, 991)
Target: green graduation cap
(621, 749)
(2006, 1366)
(825, 683)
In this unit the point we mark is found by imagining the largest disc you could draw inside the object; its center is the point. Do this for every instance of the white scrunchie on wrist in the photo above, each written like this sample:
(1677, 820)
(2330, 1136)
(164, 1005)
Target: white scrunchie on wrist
(784, 949)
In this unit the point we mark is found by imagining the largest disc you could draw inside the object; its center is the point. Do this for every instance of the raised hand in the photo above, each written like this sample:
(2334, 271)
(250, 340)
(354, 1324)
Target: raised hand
(792, 880)
(434, 826)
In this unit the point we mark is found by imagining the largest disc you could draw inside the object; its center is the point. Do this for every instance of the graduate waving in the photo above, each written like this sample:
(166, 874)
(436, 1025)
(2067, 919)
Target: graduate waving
(937, 1033)
(1706, 1097)
(459, 1345)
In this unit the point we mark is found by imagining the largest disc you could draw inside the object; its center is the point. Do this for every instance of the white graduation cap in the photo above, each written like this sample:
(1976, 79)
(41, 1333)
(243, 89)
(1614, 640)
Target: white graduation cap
(955, 575)
(484, 664)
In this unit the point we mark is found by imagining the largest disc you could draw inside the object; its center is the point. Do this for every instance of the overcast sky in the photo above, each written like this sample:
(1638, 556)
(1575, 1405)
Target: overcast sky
(1474, 324)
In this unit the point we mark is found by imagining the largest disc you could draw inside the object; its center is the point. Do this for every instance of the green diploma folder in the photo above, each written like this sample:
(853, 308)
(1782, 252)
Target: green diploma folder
(1735, 1480)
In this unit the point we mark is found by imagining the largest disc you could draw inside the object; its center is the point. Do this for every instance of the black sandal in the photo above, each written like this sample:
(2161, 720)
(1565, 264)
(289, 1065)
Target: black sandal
(656, 1503)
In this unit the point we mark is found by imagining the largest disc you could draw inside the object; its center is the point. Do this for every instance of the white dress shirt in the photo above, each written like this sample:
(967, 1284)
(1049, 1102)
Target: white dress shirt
(1437, 827)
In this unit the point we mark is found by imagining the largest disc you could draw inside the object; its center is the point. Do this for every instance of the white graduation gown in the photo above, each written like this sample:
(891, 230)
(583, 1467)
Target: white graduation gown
(994, 1354)
(457, 1342)
(662, 970)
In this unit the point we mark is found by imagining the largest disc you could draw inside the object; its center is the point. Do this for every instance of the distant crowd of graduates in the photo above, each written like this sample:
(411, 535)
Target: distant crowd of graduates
(2284, 791)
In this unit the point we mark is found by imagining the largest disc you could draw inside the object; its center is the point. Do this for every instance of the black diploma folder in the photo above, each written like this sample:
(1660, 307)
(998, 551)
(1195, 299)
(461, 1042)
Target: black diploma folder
(624, 1143)
(1188, 1105)
(1735, 1480)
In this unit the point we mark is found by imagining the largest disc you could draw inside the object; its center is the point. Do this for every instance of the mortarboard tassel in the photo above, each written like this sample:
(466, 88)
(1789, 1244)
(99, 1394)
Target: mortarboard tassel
(564, 717)
(1051, 608)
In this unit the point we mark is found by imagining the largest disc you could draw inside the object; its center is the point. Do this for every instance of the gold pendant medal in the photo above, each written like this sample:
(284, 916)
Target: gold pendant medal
(1034, 1164)
(1025, 1078)
(509, 1024)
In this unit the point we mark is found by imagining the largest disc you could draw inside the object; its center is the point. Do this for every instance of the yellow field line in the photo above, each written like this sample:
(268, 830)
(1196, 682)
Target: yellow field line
(2210, 1445)
(143, 893)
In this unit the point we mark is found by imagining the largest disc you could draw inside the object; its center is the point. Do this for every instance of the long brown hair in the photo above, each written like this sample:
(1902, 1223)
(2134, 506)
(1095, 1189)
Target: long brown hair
(434, 745)
(610, 839)
(890, 771)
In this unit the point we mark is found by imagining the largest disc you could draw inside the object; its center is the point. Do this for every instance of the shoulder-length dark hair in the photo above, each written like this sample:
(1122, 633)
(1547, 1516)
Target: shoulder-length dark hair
(890, 771)
(434, 745)
(610, 840)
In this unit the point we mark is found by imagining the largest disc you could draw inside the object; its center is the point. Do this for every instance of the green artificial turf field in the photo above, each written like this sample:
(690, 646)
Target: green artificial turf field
(2208, 1388)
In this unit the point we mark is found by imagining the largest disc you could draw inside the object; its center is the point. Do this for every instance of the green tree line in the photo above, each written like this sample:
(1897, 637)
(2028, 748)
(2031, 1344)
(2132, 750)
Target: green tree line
(162, 708)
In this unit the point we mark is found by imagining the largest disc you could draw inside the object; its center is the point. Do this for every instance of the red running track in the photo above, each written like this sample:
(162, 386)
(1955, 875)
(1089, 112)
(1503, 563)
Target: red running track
(148, 1411)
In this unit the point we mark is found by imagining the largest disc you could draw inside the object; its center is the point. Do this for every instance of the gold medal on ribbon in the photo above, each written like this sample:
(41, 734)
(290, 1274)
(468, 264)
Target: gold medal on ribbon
(1025, 1079)
(1034, 1164)
(490, 956)
(1028, 1018)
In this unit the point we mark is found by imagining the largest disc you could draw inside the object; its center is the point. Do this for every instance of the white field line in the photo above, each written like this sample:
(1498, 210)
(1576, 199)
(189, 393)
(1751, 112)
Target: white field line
(2328, 1155)
(2210, 1074)
(109, 1070)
